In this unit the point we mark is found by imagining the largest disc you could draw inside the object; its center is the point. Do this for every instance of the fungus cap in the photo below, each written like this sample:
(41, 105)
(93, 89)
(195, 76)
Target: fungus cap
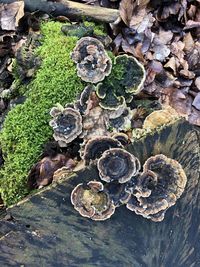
(93, 63)
(117, 164)
(91, 201)
(96, 146)
(66, 123)
(159, 186)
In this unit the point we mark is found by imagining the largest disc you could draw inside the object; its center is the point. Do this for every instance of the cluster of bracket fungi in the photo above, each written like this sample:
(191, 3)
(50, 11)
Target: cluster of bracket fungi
(100, 118)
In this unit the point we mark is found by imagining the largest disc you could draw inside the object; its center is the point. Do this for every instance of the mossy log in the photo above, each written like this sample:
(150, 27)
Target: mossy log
(70, 9)
(49, 232)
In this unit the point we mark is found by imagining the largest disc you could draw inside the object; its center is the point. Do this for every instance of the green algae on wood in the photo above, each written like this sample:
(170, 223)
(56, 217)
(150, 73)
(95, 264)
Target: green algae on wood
(26, 127)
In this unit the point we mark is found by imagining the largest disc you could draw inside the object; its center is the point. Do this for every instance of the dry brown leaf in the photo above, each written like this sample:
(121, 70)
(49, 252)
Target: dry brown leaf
(196, 102)
(171, 64)
(10, 15)
(192, 24)
(178, 100)
(137, 18)
(189, 42)
(197, 83)
(194, 118)
(126, 10)
(163, 38)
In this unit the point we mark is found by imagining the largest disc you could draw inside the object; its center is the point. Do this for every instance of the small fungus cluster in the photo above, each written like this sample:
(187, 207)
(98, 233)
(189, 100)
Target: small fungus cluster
(101, 120)
(148, 193)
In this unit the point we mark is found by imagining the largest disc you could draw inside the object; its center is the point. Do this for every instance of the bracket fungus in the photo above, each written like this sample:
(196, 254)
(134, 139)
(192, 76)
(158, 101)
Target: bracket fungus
(66, 123)
(122, 138)
(159, 186)
(96, 146)
(64, 172)
(118, 165)
(93, 63)
(118, 193)
(160, 117)
(125, 80)
(92, 201)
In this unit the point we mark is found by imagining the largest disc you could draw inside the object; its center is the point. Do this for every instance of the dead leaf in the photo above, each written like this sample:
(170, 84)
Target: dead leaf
(10, 15)
(137, 18)
(126, 10)
(163, 37)
(191, 24)
(161, 52)
(194, 117)
(189, 42)
(178, 100)
(171, 64)
(196, 102)
(197, 83)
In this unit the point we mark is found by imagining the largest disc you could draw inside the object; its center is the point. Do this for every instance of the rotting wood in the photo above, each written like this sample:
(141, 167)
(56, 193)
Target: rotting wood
(47, 220)
(72, 10)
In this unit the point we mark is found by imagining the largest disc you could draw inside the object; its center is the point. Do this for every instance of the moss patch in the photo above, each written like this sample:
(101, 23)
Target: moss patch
(26, 127)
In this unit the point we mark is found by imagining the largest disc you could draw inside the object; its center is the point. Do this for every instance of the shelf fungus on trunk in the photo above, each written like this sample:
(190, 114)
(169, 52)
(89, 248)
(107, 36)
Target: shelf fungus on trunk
(125, 80)
(92, 201)
(116, 164)
(66, 123)
(159, 118)
(118, 193)
(122, 138)
(64, 172)
(159, 186)
(86, 100)
(93, 63)
(96, 146)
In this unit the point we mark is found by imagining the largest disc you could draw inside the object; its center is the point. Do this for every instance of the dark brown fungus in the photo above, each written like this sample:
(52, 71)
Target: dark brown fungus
(123, 122)
(84, 99)
(93, 63)
(95, 123)
(122, 138)
(66, 123)
(117, 165)
(125, 80)
(41, 173)
(159, 186)
(160, 117)
(118, 193)
(64, 172)
(91, 201)
(96, 146)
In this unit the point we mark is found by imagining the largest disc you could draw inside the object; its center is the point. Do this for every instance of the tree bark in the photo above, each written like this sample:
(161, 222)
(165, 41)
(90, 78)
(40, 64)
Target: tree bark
(72, 10)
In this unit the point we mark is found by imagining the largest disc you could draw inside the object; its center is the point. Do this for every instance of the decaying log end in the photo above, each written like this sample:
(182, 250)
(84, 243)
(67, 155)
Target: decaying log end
(70, 9)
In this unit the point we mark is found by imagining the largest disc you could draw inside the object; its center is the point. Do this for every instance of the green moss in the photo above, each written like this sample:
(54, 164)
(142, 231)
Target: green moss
(26, 127)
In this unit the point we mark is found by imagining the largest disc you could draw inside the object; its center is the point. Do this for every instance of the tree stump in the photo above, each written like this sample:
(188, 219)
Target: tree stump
(47, 231)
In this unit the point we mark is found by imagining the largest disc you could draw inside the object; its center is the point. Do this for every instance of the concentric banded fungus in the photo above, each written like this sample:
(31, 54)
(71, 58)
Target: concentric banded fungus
(92, 201)
(117, 164)
(64, 171)
(130, 74)
(160, 117)
(66, 123)
(93, 63)
(123, 122)
(118, 193)
(96, 146)
(95, 123)
(162, 182)
(125, 80)
(82, 101)
(122, 138)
